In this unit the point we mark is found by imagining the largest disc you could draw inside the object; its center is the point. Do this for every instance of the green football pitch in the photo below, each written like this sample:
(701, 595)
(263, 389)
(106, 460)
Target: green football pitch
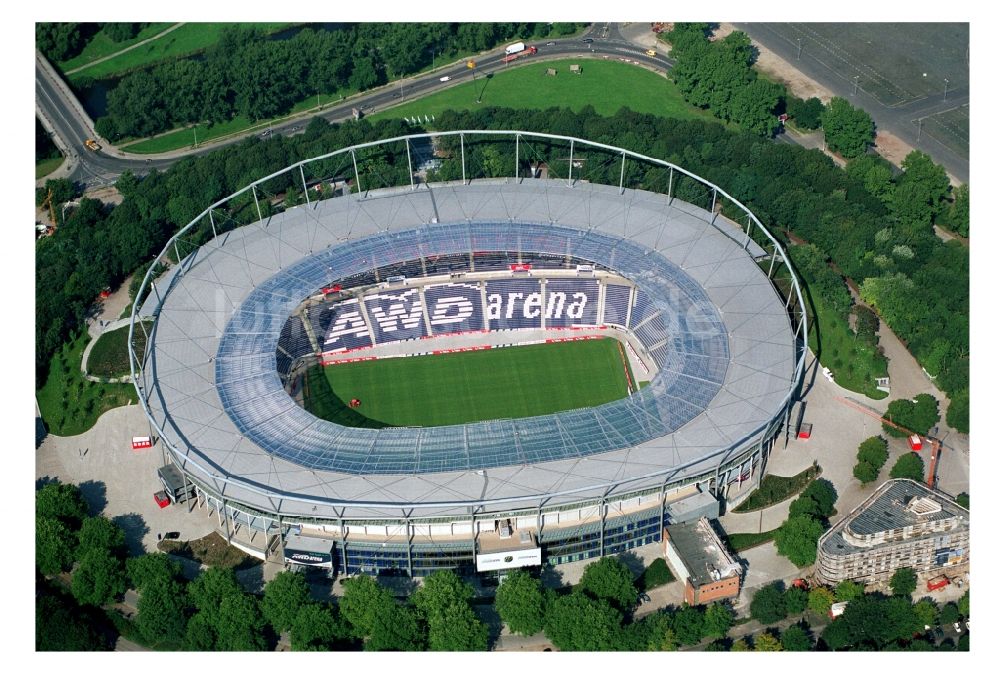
(461, 387)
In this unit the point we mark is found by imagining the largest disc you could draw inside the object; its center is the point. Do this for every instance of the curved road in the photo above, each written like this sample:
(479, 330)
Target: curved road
(63, 115)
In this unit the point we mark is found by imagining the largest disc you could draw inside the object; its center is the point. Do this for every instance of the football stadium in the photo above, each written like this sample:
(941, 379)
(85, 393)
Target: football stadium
(468, 349)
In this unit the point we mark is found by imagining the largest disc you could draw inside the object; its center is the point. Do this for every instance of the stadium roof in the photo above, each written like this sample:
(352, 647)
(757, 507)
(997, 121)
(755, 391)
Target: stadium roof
(214, 390)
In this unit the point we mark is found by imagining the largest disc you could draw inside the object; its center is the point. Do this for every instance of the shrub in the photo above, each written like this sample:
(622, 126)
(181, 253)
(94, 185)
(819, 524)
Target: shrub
(908, 466)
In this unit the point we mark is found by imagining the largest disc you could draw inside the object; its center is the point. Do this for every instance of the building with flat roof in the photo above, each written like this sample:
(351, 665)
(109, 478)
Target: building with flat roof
(902, 524)
(696, 555)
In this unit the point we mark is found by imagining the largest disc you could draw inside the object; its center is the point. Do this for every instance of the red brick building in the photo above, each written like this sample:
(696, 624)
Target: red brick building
(697, 557)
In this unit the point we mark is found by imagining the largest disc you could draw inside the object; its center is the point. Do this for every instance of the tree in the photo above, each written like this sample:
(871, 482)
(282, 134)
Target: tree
(920, 191)
(796, 600)
(459, 630)
(766, 642)
(149, 568)
(200, 634)
(815, 501)
(54, 545)
(963, 604)
(718, 620)
(865, 473)
(958, 218)
(161, 611)
(364, 599)
(848, 130)
(796, 539)
(806, 114)
(209, 590)
(240, 625)
(875, 174)
(903, 582)
(98, 533)
(926, 611)
(579, 622)
(958, 411)
(61, 624)
(768, 605)
(796, 639)
(610, 579)
(316, 627)
(440, 590)
(919, 415)
(873, 622)
(395, 628)
(99, 578)
(908, 466)
(874, 451)
(740, 645)
(521, 603)
(820, 600)
(949, 613)
(284, 596)
(688, 624)
(61, 501)
(848, 590)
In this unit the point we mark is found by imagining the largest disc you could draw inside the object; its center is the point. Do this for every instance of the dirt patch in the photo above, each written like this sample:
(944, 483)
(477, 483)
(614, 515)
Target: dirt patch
(211, 550)
(107, 194)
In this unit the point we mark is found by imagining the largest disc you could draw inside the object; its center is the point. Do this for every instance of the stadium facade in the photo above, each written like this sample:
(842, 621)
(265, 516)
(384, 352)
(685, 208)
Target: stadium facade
(701, 294)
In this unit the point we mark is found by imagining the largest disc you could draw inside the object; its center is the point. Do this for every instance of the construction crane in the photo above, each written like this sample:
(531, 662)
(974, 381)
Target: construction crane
(934, 443)
(48, 203)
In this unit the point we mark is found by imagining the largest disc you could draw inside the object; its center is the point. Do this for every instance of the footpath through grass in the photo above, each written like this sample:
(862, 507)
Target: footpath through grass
(109, 356)
(450, 389)
(774, 489)
(190, 38)
(70, 403)
(605, 84)
(101, 46)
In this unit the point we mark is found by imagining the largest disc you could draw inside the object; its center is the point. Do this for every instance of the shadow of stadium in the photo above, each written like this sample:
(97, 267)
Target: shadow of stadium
(320, 400)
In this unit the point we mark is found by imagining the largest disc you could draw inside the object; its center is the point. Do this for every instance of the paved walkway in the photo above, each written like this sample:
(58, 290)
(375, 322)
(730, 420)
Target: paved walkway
(117, 481)
(127, 49)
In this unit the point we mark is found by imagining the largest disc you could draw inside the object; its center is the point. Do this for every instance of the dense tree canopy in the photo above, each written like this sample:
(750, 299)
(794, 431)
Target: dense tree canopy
(797, 537)
(768, 605)
(520, 602)
(820, 600)
(61, 501)
(284, 596)
(443, 602)
(903, 581)
(579, 622)
(848, 130)
(162, 611)
(806, 114)
(872, 622)
(796, 639)
(919, 415)
(54, 545)
(317, 627)
(908, 466)
(608, 578)
(150, 568)
(98, 533)
(99, 579)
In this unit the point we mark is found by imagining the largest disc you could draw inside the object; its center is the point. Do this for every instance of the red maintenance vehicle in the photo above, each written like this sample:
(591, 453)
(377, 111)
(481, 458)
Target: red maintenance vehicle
(939, 582)
(516, 51)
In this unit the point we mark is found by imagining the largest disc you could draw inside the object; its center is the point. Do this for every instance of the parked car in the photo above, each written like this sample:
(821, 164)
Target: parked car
(588, 40)
(444, 79)
(550, 44)
(161, 499)
(958, 627)
(172, 535)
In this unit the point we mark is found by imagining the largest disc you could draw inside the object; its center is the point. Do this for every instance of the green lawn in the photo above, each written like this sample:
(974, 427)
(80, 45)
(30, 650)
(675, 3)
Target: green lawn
(656, 574)
(739, 542)
(774, 489)
(109, 356)
(46, 167)
(607, 85)
(70, 403)
(450, 389)
(101, 46)
(188, 39)
(855, 364)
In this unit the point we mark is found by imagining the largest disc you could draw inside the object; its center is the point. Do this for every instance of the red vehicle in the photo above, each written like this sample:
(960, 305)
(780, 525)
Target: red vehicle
(161, 499)
(525, 52)
(939, 582)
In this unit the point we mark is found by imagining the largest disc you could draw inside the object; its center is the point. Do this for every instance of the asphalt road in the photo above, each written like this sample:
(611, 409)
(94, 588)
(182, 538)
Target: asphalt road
(901, 120)
(65, 116)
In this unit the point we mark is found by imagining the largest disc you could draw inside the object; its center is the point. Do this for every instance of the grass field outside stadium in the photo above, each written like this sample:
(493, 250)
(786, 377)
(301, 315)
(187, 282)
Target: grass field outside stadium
(463, 387)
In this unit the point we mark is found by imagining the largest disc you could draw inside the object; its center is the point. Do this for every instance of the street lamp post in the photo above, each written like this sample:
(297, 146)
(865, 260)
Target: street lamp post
(799, 55)
(920, 128)
(946, 89)
(195, 135)
(856, 84)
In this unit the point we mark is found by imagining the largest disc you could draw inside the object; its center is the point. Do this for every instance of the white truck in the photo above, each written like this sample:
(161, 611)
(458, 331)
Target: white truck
(514, 48)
